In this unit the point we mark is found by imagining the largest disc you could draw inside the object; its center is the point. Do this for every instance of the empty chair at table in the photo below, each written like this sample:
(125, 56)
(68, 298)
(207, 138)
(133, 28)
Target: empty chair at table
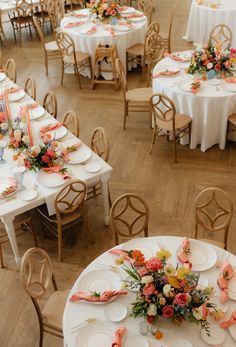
(221, 35)
(167, 38)
(38, 280)
(213, 211)
(71, 122)
(166, 119)
(10, 69)
(129, 217)
(30, 87)
(154, 53)
(2, 34)
(50, 103)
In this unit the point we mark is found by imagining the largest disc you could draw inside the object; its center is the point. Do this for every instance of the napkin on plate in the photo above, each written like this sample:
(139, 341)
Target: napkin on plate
(226, 273)
(91, 30)
(174, 57)
(121, 253)
(73, 24)
(195, 86)
(117, 342)
(66, 152)
(165, 73)
(230, 80)
(56, 169)
(136, 15)
(103, 297)
(229, 322)
(79, 15)
(48, 128)
(183, 254)
(10, 91)
(32, 106)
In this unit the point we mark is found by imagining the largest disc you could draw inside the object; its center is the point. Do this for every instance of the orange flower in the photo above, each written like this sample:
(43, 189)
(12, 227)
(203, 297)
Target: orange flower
(138, 256)
(158, 335)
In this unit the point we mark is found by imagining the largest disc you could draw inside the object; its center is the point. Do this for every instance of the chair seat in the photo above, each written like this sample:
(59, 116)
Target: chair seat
(232, 118)
(22, 20)
(54, 308)
(137, 49)
(181, 121)
(80, 57)
(65, 219)
(139, 94)
(214, 242)
(52, 46)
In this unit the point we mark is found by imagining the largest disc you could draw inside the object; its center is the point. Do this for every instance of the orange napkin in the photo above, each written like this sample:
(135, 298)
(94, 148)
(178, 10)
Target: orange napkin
(184, 252)
(129, 25)
(32, 106)
(136, 15)
(195, 86)
(44, 130)
(10, 91)
(79, 15)
(103, 297)
(56, 169)
(226, 273)
(117, 342)
(174, 57)
(230, 80)
(92, 30)
(229, 322)
(121, 253)
(66, 152)
(165, 73)
(123, 8)
(73, 24)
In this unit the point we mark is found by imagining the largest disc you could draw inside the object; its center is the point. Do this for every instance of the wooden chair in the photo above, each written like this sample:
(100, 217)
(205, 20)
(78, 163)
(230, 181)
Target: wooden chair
(146, 6)
(154, 53)
(71, 122)
(70, 57)
(136, 100)
(231, 128)
(30, 87)
(56, 12)
(69, 208)
(166, 118)
(51, 48)
(1, 60)
(104, 55)
(41, 13)
(221, 35)
(38, 280)
(10, 69)
(2, 34)
(22, 224)
(213, 214)
(129, 217)
(167, 39)
(73, 5)
(50, 104)
(137, 53)
(22, 17)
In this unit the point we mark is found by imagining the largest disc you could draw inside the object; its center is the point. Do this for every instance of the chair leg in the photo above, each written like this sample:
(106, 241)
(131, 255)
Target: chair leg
(40, 335)
(126, 110)
(20, 35)
(174, 143)
(190, 131)
(46, 63)
(62, 72)
(109, 197)
(153, 139)
(33, 233)
(1, 258)
(59, 232)
(78, 75)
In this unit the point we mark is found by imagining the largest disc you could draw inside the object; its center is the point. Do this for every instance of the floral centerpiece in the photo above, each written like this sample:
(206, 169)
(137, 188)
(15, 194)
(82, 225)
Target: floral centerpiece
(105, 9)
(168, 292)
(211, 60)
(18, 139)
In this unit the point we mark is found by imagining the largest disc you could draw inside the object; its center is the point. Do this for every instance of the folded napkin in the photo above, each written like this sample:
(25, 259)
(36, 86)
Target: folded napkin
(73, 24)
(124, 8)
(165, 73)
(117, 342)
(103, 297)
(91, 30)
(66, 152)
(32, 106)
(195, 86)
(230, 80)
(174, 57)
(111, 31)
(10, 189)
(183, 255)
(136, 15)
(10, 91)
(226, 273)
(44, 130)
(123, 23)
(121, 253)
(229, 322)
(56, 169)
(78, 15)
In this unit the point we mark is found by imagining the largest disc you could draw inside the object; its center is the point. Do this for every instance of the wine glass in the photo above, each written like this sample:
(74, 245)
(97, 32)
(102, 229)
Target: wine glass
(2, 146)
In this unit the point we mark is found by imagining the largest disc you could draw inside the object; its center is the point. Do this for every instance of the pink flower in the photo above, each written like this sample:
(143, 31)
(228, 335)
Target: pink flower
(149, 289)
(204, 57)
(168, 311)
(181, 299)
(50, 153)
(45, 159)
(113, 13)
(217, 67)
(27, 164)
(232, 50)
(227, 64)
(204, 311)
(154, 264)
(142, 272)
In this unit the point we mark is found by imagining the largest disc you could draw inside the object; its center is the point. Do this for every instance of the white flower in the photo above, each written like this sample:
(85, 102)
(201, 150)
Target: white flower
(35, 150)
(167, 290)
(17, 135)
(147, 279)
(198, 313)
(152, 310)
(169, 270)
(105, 6)
(26, 139)
(4, 126)
(209, 66)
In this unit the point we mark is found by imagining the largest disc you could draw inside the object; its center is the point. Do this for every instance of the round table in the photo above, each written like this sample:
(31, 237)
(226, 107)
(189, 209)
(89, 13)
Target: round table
(202, 19)
(103, 36)
(77, 313)
(209, 108)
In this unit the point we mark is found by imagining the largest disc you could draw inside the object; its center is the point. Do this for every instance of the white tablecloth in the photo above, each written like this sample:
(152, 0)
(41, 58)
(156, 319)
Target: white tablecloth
(77, 312)
(89, 43)
(202, 19)
(209, 108)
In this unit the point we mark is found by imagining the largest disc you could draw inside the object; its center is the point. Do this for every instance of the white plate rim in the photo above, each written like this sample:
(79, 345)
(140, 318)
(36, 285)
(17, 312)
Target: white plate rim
(39, 179)
(95, 163)
(17, 95)
(80, 161)
(119, 306)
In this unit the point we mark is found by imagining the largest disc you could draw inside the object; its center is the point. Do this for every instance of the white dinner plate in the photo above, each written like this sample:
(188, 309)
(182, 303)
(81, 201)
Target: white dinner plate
(135, 340)
(58, 133)
(137, 19)
(232, 288)
(184, 56)
(229, 87)
(99, 334)
(186, 84)
(93, 167)
(17, 95)
(50, 180)
(173, 342)
(37, 112)
(81, 156)
(145, 246)
(202, 255)
(217, 334)
(165, 69)
(222, 306)
(99, 281)
(2, 76)
(232, 330)
(128, 10)
(85, 28)
(122, 28)
(28, 195)
(115, 312)
(7, 183)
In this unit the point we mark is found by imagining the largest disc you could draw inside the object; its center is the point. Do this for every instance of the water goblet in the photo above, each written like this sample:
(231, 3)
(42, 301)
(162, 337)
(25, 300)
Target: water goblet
(2, 161)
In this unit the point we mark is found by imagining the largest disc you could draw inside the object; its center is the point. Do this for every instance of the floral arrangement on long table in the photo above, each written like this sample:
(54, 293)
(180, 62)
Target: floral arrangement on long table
(168, 292)
(212, 61)
(105, 9)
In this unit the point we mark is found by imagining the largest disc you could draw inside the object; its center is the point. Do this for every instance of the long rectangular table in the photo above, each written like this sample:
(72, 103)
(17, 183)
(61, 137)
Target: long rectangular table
(13, 206)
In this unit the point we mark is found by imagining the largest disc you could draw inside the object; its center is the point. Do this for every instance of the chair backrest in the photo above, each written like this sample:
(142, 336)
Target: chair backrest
(24, 8)
(1, 60)
(10, 69)
(213, 211)
(1, 27)
(129, 216)
(70, 198)
(169, 38)
(30, 87)
(36, 272)
(66, 45)
(100, 144)
(56, 12)
(39, 30)
(121, 75)
(162, 108)
(146, 6)
(221, 35)
(71, 122)
(154, 52)
(50, 104)
(154, 27)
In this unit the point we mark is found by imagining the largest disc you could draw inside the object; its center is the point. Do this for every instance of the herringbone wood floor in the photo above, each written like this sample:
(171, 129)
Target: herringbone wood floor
(169, 189)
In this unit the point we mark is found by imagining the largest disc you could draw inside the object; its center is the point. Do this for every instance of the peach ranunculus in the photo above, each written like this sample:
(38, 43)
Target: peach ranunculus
(149, 289)
(168, 311)
(154, 264)
(181, 299)
(138, 256)
(142, 272)
(217, 67)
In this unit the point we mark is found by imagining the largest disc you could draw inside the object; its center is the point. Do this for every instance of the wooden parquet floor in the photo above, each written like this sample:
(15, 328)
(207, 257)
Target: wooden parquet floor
(169, 189)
